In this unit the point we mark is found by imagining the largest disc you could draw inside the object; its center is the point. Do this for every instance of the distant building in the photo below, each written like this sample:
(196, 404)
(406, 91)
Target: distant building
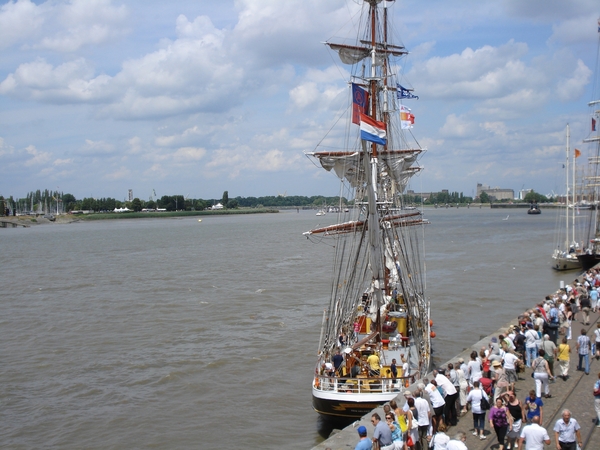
(495, 193)
(424, 195)
(130, 194)
(523, 193)
(217, 206)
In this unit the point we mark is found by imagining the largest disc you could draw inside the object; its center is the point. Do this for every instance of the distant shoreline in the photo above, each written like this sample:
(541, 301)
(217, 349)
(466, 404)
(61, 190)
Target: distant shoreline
(72, 218)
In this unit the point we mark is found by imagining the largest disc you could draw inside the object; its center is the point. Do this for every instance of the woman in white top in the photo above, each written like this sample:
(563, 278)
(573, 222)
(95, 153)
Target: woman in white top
(462, 382)
(475, 397)
(474, 368)
(439, 441)
(541, 375)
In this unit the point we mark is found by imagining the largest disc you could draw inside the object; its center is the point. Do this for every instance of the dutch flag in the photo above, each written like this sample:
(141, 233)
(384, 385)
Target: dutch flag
(372, 130)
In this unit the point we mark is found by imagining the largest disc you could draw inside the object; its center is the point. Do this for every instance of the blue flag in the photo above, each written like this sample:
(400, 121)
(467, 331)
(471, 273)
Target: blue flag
(404, 93)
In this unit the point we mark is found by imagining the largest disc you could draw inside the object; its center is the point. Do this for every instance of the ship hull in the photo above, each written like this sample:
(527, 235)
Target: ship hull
(565, 263)
(348, 406)
(588, 261)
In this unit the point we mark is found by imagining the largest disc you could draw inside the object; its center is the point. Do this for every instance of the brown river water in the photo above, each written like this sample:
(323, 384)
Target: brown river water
(178, 334)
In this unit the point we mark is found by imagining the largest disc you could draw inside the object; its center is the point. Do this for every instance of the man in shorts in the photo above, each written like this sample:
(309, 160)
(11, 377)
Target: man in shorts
(510, 367)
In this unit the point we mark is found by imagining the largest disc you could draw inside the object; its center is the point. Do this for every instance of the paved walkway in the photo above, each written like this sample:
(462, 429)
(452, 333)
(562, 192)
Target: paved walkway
(574, 394)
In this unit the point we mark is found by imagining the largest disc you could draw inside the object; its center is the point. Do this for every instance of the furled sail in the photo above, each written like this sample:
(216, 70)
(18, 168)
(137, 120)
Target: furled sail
(350, 165)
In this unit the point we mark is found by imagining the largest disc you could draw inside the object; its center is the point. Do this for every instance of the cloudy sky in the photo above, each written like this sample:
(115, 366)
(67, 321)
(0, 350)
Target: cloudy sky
(195, 97)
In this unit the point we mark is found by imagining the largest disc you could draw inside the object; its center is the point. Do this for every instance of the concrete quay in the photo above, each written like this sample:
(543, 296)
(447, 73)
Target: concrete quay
(574, 394)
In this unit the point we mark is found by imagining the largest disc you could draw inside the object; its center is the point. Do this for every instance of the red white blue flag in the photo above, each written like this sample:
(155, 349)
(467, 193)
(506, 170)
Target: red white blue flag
(371, 130)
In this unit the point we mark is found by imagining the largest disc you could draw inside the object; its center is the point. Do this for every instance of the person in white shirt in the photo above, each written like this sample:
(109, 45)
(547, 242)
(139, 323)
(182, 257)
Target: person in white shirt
(475, 397)
(450, 398)
(424, 414)
(531, 337)
(567, 432)
(458, 443)
(474, 368)
(510, 368)
(439, 440)
(534, 436)
(463, 385)
(464, 367)
(437, 401)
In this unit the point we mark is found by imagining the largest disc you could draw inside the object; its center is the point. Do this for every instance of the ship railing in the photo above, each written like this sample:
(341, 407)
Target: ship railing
(362, 385)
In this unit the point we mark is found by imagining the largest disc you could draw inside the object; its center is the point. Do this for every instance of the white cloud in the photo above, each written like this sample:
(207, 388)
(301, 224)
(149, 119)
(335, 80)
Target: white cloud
(85, 22)
(5, 149)
(188, 154)
(36, 157)
(121, 173)
(18, 21)
(573, 87)
(317, 91)
(61, 26)
(69, 82)
(483, 73)
(458, 126)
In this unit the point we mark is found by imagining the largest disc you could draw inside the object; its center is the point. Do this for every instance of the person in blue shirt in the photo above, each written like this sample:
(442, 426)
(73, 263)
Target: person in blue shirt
(364, 443)
(533, 406)
(382, 434)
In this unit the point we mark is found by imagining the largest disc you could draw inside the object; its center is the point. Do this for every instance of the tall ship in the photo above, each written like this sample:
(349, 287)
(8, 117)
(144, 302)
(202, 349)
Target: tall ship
(376, 331)
(565, 254)
(591, 255)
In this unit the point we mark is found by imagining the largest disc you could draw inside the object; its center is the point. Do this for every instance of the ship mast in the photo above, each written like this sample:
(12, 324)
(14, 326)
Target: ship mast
(375, 258)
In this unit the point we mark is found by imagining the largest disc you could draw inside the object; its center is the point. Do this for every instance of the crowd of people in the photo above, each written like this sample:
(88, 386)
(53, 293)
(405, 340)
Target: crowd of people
(485, 384)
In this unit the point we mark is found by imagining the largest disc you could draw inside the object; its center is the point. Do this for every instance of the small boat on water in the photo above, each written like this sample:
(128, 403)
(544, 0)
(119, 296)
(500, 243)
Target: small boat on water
(534, 209)
(591, 255)
(378, 313)
(564, 256)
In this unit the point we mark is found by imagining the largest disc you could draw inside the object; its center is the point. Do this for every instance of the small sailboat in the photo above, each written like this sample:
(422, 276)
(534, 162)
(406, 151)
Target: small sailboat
(377, 310)
(565, 253)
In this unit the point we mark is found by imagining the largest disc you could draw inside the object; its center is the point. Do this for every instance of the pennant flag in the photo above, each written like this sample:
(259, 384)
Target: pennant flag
(371, 130)
(407, 119)
(577, 153)
(360, 103)
(593, 124)
(402, 92)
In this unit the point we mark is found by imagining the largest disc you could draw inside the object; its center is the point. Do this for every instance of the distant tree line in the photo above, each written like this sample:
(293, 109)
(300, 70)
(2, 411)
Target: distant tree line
(52, 201)
(48, 201)
(438, 198)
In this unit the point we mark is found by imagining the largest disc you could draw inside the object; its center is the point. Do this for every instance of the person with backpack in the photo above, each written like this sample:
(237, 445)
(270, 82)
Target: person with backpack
(500, 421)
(475, 398)
(541, 374)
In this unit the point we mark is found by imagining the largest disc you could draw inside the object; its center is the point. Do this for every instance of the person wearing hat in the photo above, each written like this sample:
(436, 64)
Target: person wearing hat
(500, 379)
(364, 443)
